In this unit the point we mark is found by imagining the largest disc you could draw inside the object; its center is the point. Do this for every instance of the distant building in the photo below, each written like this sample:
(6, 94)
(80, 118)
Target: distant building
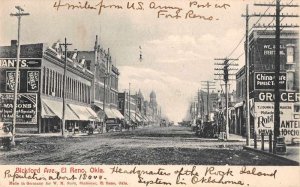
(106, 80)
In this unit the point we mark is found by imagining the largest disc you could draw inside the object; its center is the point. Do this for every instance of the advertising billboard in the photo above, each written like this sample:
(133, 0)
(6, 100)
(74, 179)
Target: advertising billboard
(26, 108)
(264, 120)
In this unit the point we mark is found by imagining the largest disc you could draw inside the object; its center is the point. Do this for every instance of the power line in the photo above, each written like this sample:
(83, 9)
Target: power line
(245, 35)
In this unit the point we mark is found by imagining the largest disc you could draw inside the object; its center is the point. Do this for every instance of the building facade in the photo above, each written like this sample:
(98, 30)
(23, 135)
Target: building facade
(262, 68)
(104, 90)
(42, 71)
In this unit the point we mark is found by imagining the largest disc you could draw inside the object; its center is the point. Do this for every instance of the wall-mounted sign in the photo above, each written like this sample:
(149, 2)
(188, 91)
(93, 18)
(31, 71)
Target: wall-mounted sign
(11, 81)
(26, 108)
(264, 120)
(24, 63)
(269, 96)
(33, 81)
(266, 81)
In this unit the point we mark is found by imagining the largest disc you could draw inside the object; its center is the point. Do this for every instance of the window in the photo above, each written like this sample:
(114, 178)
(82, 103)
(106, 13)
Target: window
(44, 80)
(47, 82)
(289, 54)
(290, 80)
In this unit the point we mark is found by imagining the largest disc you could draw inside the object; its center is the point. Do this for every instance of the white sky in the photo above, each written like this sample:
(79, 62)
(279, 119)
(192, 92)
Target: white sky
(178, 54)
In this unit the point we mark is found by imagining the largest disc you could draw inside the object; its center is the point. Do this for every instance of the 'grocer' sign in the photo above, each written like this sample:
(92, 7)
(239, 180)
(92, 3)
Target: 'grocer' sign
(264, 120)
(266, 81)
(26, 108)
(269, 96)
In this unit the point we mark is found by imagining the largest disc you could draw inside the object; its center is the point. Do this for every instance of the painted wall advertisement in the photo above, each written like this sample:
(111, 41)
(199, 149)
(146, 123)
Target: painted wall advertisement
(26, 108)
(264, 120)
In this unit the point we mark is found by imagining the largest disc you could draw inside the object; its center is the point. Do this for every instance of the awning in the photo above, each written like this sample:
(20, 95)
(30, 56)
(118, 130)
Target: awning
(56, 107)
(82, 112)
(118, 113)
(92, 112)
(46, 111)
(134, 115)
(139, 117)
(109, 113)
(238, 105)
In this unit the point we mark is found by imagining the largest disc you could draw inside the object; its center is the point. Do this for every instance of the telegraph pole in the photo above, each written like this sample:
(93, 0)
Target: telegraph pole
(277, 57)
(226, 75)
(247, 66)
(277, 72)
(63, 89)
(19, 15)
(129, 103)
(210, 85)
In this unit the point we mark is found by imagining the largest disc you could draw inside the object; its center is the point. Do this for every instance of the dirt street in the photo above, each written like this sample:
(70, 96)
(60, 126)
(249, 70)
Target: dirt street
(148, 145)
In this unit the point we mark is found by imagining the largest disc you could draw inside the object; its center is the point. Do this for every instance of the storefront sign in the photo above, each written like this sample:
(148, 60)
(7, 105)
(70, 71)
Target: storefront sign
(26, 108)
(266, 81)
(264, 120)
(265, 96)
(24, 63)
(33, 81)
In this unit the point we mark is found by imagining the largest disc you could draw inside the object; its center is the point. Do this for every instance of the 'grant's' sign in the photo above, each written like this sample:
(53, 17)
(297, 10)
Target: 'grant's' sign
(24, 63)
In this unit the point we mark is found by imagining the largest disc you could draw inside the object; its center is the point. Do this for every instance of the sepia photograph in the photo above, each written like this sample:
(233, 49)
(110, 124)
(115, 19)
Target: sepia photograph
(149, 93)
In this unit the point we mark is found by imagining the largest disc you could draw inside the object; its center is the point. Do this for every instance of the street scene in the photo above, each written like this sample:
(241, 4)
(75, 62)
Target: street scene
(148, 145)
(149, 83)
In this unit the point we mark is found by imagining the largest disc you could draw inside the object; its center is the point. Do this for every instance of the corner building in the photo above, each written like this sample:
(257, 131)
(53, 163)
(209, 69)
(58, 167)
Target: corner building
(40, 89)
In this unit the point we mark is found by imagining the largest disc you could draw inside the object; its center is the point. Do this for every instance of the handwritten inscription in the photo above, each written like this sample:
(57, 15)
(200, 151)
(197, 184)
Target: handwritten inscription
(164, 10)
(181, 176)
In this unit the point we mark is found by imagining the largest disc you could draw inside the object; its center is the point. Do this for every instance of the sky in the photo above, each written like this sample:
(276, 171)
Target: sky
(177, 53)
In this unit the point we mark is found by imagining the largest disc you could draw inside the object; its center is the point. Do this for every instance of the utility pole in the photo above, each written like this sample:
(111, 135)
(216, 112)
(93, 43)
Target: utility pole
(277, 57)
(129, 103)
(19, 15)
(226, 75)
(210, 85)
(106, 75)
(247, 66)
(63, 89)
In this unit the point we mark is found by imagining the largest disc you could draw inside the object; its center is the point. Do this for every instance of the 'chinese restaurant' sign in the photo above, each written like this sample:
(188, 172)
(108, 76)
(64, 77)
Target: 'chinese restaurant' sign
(264, 120)
(26, 108)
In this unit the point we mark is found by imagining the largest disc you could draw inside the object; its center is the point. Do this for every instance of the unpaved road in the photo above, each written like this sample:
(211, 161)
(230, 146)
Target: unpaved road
(149, 145)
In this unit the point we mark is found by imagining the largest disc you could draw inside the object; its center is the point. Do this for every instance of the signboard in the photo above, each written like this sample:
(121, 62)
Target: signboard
(11, 81)
(264, 120)
(24, 63)
(33, 81)
(269, 96)
(26, 108)
(266, 81)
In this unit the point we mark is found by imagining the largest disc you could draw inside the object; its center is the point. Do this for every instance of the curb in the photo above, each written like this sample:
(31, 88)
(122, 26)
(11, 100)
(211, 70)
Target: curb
(271, 154)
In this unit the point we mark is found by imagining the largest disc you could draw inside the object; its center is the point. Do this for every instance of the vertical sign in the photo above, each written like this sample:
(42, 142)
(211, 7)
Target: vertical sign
(11, 81)
(33, 81)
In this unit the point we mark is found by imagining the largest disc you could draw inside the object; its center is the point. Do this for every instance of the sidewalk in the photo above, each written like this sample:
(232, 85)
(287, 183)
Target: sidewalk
(292, 152)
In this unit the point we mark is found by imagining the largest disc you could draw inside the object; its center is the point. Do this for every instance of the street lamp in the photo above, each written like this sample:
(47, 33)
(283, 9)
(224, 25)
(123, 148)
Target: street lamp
(19, 14)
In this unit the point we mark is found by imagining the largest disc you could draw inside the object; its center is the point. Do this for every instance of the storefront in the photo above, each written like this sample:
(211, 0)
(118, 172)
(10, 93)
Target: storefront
(40, 90)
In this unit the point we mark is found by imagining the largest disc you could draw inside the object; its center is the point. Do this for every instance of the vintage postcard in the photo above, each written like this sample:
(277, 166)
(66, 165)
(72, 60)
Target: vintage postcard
(149, 93)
